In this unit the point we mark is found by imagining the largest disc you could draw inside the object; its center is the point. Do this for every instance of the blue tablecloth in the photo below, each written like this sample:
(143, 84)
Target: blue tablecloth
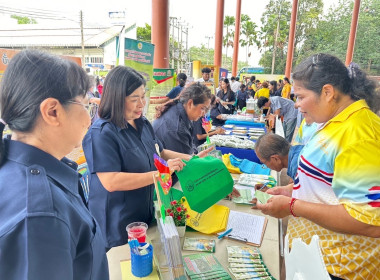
(240, 153)
(246, 124)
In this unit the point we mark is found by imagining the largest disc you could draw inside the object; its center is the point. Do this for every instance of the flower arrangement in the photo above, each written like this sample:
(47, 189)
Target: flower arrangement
(178, 212)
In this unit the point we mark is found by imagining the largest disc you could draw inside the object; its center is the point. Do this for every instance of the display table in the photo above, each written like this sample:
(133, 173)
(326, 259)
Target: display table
(248, 154)
(240, 153)
(270, 247)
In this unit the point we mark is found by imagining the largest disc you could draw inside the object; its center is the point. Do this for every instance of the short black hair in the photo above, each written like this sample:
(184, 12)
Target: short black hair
(261, 102)
(206, 70)
(233, 78)
(271, 144)
(33, 76)
(120, 82)
(321, 69)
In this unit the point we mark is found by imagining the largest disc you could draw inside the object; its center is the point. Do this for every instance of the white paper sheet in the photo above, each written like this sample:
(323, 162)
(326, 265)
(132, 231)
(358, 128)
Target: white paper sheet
(245, 227)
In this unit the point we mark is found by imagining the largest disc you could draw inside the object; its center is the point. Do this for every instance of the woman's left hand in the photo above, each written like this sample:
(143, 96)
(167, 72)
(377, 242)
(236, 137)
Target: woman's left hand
(277, 206)
(235, 193)
(175, 164)
(205, 152)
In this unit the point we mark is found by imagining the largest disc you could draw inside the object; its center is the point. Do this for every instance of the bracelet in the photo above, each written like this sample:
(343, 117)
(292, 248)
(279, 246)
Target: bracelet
(291, 206)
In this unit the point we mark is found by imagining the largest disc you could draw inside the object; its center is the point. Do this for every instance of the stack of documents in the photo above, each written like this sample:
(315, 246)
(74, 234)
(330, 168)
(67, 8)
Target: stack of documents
(172, 247)
(247, 263)
(204, 266)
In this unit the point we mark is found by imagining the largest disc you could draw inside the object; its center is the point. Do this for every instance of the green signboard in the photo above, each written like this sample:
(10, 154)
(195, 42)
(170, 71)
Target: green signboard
(161, 75)
(139, 56)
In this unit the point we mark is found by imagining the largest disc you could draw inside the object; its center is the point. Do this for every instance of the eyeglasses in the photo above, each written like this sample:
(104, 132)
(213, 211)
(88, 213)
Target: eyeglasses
(91, 107)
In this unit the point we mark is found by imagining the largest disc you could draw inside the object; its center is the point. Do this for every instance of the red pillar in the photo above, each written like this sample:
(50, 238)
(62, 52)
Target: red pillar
(292, 34)
(235, 57)
(160, 33)
(351, 40)
(219, 33)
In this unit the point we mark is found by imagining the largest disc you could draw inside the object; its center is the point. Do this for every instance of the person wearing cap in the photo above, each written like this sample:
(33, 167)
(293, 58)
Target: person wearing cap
(205, 76)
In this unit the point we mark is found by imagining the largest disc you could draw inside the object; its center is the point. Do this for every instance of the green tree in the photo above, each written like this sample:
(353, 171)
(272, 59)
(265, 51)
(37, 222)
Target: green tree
(248, 29)
(24, 20)
(274, 35)
(229, 21)
(332, 33)
(275, 30)
(144, 33)
(202, 53)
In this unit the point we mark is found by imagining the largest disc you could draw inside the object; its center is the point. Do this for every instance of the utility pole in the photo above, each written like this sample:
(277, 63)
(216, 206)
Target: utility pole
(208, 46)
(187, 44)
(180, 51)
(82, 37)
(178, 23)
(275, 40)
(173, 21)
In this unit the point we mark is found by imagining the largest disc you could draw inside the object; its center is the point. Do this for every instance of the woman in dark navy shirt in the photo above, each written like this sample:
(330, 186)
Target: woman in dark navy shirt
(226, 98)
(119, 149)
(46, 231)
(174, 124)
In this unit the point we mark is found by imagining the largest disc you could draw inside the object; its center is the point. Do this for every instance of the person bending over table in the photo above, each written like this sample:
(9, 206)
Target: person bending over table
(119, 149)
(336, 191)
(46, 230)
(174, 124)
(281, 107)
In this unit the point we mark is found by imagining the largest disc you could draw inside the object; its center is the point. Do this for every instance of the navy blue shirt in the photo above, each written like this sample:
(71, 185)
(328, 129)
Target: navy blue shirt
(174, 92)
(46, 232)
(109, 148)
(198, 129)
(228, 97)
(214, 113)
(175, 130)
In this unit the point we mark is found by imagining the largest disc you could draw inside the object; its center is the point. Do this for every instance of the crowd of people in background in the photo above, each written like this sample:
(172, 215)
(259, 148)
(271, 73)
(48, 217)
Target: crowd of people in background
(60, 231)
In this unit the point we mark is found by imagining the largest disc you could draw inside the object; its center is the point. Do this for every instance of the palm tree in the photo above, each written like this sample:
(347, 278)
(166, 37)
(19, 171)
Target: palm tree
(228, 21)
(248, 29)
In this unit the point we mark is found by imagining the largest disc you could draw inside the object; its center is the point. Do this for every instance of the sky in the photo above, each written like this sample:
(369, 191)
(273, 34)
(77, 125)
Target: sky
(198, 15)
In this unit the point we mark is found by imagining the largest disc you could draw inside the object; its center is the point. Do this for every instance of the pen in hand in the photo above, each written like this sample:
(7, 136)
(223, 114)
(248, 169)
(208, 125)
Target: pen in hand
(225, 233)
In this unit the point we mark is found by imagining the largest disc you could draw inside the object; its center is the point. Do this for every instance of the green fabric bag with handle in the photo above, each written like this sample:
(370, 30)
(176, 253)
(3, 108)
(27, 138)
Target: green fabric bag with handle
(204, 182)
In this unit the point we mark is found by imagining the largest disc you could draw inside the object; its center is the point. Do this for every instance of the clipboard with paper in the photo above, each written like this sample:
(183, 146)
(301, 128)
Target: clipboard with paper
(247, 228)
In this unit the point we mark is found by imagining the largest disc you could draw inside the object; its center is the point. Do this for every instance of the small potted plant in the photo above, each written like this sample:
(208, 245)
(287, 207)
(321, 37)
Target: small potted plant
(179, 214)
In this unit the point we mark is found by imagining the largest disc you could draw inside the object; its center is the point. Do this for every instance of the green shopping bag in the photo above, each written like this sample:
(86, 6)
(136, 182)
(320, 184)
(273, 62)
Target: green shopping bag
(204, 182)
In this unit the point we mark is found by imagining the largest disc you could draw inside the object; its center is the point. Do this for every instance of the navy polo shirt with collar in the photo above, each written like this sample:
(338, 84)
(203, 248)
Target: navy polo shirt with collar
(224, 96)
(175, 92)
(46, 232)
(109, 148)
(175, 130)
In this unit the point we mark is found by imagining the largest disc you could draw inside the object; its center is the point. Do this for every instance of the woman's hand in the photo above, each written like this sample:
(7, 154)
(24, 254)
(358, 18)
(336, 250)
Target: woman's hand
(175, 164)
(205, 152)
(277, 206)
(220, 130)
(281, 190)
(235, 193)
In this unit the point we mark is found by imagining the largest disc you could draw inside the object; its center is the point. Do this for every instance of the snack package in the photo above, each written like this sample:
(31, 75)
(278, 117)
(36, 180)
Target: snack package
(199, 244)
(243, 252)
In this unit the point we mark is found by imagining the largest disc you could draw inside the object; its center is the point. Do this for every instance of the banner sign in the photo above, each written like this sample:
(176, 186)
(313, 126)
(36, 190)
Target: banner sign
(161, 75)
(139, 56)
